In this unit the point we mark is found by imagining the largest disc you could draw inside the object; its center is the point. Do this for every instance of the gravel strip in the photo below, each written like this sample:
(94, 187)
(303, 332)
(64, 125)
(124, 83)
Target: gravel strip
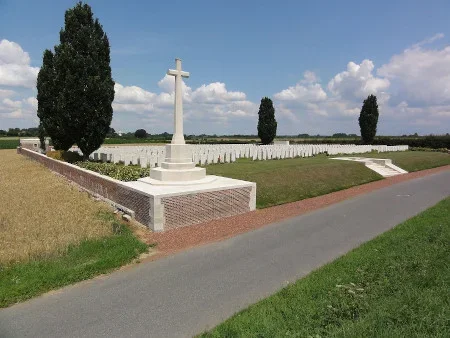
(179, 239)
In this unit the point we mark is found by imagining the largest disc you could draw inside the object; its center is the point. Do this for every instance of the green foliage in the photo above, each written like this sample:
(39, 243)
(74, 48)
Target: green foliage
(140, 133)
(111, 133)
(66, 156)
(9, 144)
(22, 281)
(368, 119)
(393, 286)
(53, 121)
(75, 88)
(267, 125)
(117, 171)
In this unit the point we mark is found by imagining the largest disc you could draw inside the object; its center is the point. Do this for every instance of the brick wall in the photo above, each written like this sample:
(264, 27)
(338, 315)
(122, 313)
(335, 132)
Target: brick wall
(104, 187)
(158, 213)
(202, 207)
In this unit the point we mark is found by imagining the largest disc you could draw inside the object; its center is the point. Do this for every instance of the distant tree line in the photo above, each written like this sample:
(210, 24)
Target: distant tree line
(34, 132)
(25, 132)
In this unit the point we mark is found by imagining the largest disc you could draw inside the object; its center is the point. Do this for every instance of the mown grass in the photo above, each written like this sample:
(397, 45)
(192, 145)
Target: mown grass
(289, 180)
(85, 260)
(393, 286)
(414, 160)
(41, 214)
(9, 143)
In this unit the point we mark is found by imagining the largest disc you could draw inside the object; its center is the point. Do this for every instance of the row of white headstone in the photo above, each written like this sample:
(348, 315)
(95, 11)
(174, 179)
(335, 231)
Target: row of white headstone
(153, 156)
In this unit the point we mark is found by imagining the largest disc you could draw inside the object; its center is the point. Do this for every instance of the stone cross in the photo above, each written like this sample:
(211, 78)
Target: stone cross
(178, 135)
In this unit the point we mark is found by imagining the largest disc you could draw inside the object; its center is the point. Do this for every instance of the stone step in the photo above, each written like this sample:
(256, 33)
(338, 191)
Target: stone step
(383, 170)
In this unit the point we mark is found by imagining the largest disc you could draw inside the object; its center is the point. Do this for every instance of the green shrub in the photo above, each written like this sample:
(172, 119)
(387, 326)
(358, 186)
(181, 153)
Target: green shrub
(116, 171)
(65, 156)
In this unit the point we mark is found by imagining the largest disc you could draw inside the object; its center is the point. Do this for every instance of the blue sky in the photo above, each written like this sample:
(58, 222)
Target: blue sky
(317, 60)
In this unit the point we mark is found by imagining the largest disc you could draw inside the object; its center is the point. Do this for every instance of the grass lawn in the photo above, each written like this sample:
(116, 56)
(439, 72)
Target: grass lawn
(414, 160)
(289, 180)
(393, 286)
(51, 234)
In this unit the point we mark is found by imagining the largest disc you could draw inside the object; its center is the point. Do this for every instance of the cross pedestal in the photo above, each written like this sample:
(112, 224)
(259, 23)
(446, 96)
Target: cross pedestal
(178, 193)
(178, 165)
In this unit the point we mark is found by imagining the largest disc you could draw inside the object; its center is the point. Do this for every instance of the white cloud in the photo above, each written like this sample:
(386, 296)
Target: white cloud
(357, 82)
(310, 77)
(25, 108)
(167, 84)
(428, 41)
(132, 94)
(6, 93)
(12, 53)
(310, 93)
(10, 104)
(207, 104)
(307, 90)
(15, 69)
(216, 93)
(420, 75)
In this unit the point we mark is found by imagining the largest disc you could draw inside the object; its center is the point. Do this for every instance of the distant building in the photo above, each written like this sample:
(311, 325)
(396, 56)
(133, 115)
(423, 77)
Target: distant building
(34, 144)
(278, 142)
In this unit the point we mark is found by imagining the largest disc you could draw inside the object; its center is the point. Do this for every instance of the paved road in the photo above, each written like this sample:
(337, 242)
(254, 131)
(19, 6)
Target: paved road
(189, 292)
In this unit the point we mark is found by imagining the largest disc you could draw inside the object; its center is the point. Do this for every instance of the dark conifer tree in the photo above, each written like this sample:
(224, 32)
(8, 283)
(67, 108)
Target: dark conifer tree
(368, 119)
(51, 120)
(78, 77)
(267, 125)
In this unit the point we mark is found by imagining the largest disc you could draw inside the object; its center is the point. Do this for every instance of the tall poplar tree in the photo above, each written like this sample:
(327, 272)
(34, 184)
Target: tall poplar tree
(267, 125)
(75, 87)
(368, 119)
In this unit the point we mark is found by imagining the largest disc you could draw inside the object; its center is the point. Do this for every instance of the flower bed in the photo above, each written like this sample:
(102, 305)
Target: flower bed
(116, 171)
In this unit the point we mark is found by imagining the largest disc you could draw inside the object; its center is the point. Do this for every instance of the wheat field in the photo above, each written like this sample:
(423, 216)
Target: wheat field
(41, 214)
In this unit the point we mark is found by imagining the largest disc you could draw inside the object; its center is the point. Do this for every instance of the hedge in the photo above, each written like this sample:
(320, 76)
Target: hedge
(434, 142)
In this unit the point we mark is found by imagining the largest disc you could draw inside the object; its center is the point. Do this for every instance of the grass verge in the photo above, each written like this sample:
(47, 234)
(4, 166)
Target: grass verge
(414, 160)
(91, 257)
(393, 286)
(290, 180)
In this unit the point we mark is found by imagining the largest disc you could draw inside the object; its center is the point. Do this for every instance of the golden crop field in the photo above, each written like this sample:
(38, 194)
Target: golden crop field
(41, 214)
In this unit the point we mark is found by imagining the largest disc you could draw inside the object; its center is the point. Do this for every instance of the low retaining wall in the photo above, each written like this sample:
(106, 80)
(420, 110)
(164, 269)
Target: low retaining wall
(101, 186)
(159, 213)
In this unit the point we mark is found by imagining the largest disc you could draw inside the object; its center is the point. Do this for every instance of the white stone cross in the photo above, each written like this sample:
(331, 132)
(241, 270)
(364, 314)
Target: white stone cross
(178, 135)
